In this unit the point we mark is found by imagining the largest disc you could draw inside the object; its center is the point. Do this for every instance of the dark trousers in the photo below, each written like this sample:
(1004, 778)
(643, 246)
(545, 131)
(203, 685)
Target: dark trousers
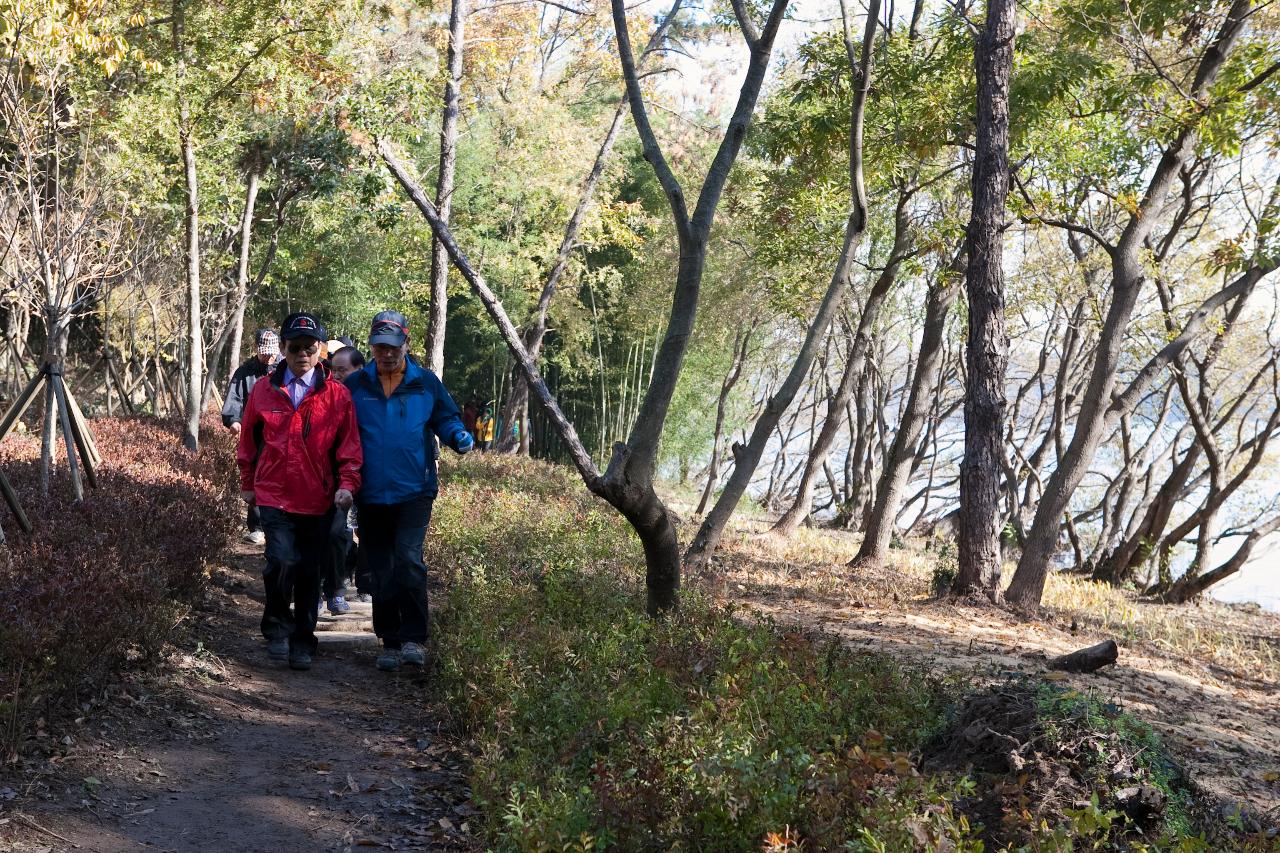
(391, 537)
(295, 552)
(253, 519)
(335, 558)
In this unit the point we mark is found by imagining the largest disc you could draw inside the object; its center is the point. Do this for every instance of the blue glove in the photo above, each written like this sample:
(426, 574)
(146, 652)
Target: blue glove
(465, 444)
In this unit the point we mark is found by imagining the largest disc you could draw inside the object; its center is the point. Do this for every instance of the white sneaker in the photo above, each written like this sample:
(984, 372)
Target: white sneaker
(255, 537)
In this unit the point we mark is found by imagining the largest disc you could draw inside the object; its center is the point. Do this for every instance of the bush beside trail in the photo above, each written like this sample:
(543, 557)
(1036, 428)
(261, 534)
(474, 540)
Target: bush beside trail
(597, 728)
(100, 585)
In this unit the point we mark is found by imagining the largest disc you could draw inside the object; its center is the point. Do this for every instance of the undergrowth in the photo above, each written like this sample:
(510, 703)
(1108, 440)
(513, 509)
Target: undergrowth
(99, 585)
(598, 728)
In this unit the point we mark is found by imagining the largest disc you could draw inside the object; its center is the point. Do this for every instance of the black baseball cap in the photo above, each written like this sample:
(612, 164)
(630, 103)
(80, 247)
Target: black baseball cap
(389, 327)
(302, 325)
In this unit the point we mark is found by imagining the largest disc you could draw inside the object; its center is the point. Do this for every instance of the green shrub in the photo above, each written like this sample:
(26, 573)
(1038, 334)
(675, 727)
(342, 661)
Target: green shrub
(599, 727)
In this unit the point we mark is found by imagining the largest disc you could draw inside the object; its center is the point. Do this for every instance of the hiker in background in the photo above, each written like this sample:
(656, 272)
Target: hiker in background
(341, 556)
(345, 362)
(267, 346)
(470, 412)
(401, 409)
(299, 457)
(484, 428)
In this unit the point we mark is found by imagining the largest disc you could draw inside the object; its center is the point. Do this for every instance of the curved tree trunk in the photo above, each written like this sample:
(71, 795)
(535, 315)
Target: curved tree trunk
(627, 484)
(987, 354)
(741, 340)
(518, 398)
(1187, 588)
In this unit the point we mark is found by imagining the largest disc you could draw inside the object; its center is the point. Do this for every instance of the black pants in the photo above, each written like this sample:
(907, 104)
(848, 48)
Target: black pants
(335, 558)
(295, 551)
(391, 537)
(253, 519)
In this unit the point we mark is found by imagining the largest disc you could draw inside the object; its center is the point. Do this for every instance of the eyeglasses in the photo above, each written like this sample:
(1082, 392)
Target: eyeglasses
(309, 349)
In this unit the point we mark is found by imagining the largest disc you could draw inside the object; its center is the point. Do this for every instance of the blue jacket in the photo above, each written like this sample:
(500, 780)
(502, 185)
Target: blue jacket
(395, 433)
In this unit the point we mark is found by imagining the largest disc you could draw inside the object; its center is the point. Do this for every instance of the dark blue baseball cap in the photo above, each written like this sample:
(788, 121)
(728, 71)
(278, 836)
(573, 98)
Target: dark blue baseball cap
(389, 327)
(302, 325)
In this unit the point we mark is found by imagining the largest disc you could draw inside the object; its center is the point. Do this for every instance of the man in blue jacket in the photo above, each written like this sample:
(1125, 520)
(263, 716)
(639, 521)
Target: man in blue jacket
(401, 409)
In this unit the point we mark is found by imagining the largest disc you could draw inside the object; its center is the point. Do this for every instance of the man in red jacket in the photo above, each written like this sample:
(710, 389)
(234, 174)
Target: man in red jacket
(299, 457)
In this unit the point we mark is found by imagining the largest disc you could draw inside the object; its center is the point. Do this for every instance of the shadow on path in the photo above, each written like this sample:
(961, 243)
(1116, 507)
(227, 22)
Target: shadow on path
(231, 752)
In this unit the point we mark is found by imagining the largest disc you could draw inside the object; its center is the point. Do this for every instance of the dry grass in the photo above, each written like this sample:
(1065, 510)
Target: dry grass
(1242, 640)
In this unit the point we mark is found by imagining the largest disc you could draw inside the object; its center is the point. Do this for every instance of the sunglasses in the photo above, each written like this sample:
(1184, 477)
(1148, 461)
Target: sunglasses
(310, 348)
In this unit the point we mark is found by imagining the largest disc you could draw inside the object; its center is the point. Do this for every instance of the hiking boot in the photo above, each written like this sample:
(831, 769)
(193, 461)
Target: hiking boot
(338, 605)
(299, 659)
(255, 537)
(412, 654)
(389, 660)
(278, 649)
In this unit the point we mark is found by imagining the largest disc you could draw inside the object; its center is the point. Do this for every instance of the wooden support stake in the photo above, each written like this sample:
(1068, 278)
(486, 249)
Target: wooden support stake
(11, 498)
(80, 432)
(68, 439)
(20, 405)
(81, 425)
(115, 377)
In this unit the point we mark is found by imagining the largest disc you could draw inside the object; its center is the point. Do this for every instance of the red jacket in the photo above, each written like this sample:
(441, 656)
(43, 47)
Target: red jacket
(295, 460)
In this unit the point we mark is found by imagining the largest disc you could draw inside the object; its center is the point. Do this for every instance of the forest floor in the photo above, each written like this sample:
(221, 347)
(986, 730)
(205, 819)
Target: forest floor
(1205, 676)
(220, 749)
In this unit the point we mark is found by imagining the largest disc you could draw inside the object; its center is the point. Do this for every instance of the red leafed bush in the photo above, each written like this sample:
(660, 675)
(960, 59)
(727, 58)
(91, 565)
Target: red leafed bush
(99, 585)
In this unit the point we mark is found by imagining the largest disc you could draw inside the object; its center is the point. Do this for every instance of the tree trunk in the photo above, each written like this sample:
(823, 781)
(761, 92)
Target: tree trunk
(438, 309)
(1186, 588)
(987, 353)
(741, 340)
(58, 328)
(242, 270)
(708, 537)
(897, 470)
(195, 331)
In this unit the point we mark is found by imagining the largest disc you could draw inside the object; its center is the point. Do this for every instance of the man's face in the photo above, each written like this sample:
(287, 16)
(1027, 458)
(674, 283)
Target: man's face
(301, 354)
(390, 358)
(340, 364)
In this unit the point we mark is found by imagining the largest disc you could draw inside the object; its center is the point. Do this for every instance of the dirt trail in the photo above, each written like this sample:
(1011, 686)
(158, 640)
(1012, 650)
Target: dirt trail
(228, 751)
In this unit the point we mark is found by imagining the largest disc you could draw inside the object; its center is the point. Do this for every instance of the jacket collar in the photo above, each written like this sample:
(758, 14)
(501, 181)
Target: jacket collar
(414, 376)
(318, 378)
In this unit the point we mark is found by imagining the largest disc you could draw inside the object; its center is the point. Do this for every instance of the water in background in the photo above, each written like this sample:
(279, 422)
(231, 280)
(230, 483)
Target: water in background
(1258, 581)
